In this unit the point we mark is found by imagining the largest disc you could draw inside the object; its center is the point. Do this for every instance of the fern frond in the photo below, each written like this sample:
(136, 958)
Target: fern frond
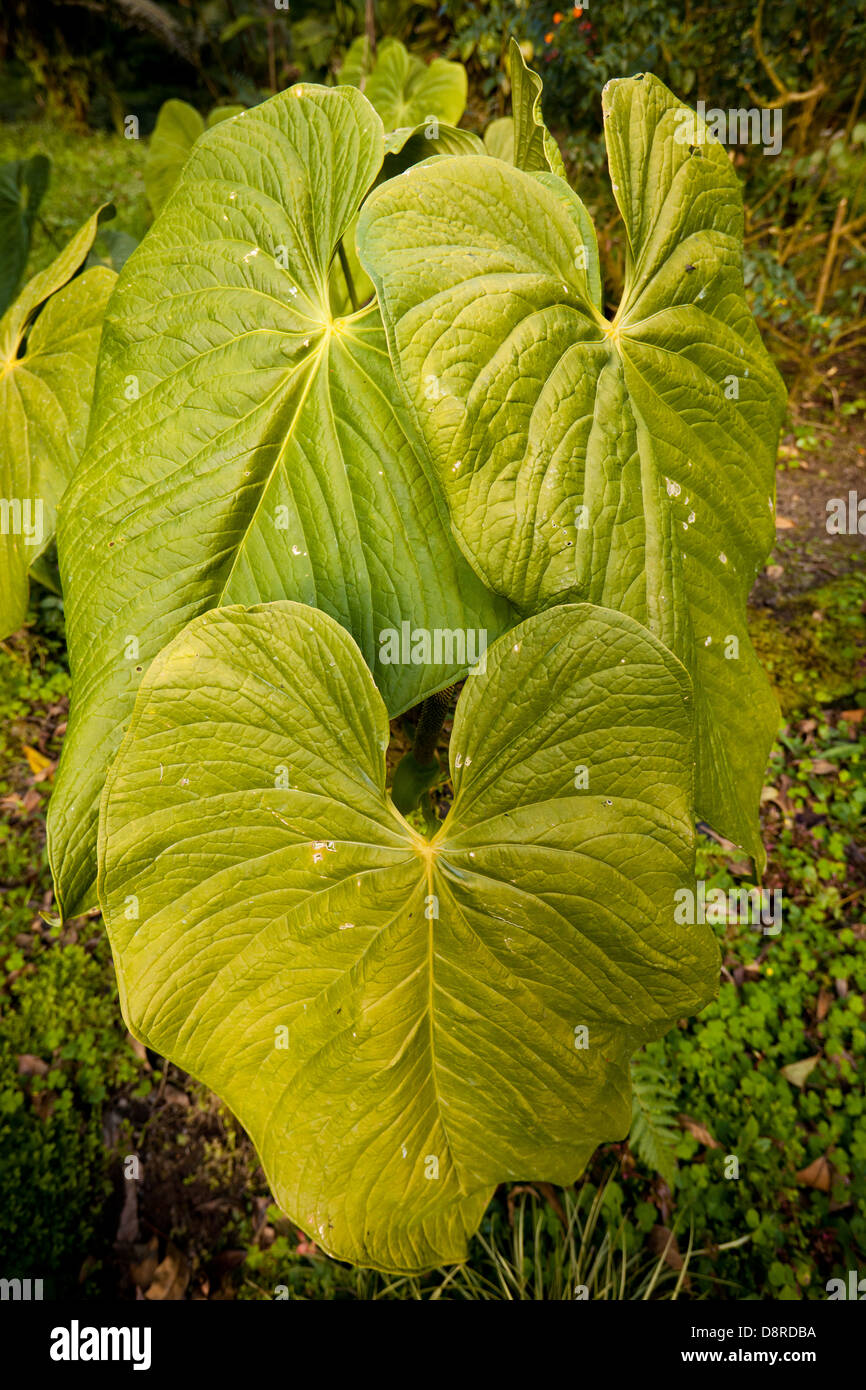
(654, 1130)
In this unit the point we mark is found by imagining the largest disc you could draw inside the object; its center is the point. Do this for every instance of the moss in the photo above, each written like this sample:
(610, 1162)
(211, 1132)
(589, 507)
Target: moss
(62, 1024)
(814, 647)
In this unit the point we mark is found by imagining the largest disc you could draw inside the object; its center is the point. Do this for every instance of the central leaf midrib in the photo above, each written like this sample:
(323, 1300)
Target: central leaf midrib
(312, 364)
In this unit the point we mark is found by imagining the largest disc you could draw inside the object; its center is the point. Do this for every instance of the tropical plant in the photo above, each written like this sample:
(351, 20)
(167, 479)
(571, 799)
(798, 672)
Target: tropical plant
(48, 343)
(295, 511)
(403, 89)
(630, 463)
(177, 128)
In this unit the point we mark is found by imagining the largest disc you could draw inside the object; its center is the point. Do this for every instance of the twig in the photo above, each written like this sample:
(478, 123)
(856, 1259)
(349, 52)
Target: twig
(831, 255)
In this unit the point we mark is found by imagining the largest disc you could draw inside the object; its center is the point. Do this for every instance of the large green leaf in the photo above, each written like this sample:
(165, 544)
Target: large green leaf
(399, 1023)
(22, 187)
(631, 462)
(46, 386)
(358, 62)
(245, 443)
(499, 139)
(522, 138)
(404, 90)
(533, 145)
(178, 126)
(411, 144)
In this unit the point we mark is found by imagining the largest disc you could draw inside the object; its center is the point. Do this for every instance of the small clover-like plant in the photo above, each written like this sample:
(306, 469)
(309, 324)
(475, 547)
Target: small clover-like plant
(317, 464)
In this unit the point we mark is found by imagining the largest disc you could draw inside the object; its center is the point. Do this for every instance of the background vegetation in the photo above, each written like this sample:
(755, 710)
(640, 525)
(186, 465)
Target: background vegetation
(772, 1071)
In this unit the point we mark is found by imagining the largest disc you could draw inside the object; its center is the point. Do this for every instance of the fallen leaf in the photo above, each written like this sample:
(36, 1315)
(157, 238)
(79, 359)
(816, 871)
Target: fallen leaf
(140, 1051)
(697, 1131)
(822, 766)
(822, 1008)
(818, 1174)
(663, 1242)
(853, 716)
(774, 571)
(143, 1268)
(740, 868)
(175, 1096)
(28, 1065)
(170, 1278)
(784, 523)
(43, 1103)
(39, 765)
(799, 1072)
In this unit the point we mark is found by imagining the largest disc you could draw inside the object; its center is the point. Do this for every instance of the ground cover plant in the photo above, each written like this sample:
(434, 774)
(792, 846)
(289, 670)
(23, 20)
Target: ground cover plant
(418, 969)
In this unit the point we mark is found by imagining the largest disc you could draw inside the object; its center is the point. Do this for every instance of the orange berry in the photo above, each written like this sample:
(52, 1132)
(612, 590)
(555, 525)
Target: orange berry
(557, 18)
(548, 38)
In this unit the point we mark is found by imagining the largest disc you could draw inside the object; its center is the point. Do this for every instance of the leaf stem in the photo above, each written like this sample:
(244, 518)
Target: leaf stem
(433, 714)
(350, 284)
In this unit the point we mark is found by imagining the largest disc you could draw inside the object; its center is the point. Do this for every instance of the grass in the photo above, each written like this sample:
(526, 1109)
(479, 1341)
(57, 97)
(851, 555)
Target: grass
(85, 173)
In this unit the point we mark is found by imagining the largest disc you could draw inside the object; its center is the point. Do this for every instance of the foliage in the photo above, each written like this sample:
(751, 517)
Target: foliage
(349, 938)
(261, 214)
(62, 1049)
(533, 1245)
(178, 126)
(59, 1060)
(623, 494)
(727, 56)
(401, 88)
(22, 187)
(85, 174)
(653, 1134)
(800, 1139)
(321, 500)
(815, 1211)
(813, 647)
(721, 1077)
(49, 339)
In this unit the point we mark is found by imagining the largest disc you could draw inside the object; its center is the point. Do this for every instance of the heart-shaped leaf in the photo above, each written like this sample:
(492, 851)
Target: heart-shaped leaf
(357, 64)
(627, 462)
(248, 444)
(46, 387)
(22, 187)
(178, 126)
(401, 1023)
(404, 90)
